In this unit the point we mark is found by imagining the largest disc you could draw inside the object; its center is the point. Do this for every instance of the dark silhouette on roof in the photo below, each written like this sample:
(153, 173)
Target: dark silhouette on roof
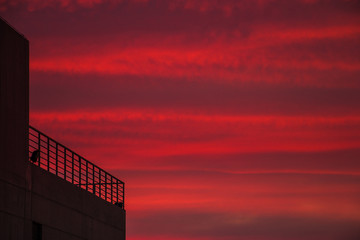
(35, 155)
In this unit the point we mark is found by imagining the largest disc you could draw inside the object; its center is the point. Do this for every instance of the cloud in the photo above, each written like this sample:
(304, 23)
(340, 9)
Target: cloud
(69, 5)
(119, 132)
(234, 226)
(299, 42)
(226, 119)
(263, 57)
(73, 92)
(307, 196)
(166, 63)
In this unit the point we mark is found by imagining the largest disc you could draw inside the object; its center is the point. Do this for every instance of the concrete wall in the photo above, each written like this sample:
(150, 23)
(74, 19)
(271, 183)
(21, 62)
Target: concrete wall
(29, 194)
(14, 120)
(68, 212)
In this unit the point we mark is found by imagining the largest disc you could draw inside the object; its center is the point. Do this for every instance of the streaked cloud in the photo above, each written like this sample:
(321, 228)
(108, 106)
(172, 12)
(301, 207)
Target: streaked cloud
(226, 119)
(197, 225)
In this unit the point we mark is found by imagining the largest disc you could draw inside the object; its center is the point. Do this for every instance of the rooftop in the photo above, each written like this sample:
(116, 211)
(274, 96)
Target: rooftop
(57, 159)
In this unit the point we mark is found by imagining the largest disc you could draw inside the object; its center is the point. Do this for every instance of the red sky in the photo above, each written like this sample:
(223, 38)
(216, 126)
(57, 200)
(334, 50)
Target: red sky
(226, 119)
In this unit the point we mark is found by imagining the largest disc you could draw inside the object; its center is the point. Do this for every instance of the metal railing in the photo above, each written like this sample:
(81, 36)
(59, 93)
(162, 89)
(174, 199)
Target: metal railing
(66, 164)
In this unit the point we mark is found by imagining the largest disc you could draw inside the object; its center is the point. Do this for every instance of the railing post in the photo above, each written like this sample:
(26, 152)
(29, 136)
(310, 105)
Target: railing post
(48, 153)
(93, 174)
(65, 163)
(56, 159)
(99, 183)
(39, 143)
(117, 190)
(111, 189)
(86, 176)
(79, 171)
(72, 167)
(39, 149)
(105, 186)
(123, 191)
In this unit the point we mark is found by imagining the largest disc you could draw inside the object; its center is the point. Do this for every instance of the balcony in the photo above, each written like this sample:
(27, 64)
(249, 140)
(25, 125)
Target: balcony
(59, 160)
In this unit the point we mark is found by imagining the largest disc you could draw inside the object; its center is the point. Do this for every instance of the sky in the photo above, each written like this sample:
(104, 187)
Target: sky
(225, 119)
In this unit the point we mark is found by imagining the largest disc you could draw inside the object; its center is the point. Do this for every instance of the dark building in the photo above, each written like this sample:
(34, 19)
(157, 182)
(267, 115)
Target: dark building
(47, 191)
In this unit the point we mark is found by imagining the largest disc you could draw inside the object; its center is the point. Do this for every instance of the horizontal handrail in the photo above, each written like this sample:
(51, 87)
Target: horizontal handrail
(66, 164)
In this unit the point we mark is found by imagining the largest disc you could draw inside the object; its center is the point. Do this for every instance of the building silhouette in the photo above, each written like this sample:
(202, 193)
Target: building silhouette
(47, 191)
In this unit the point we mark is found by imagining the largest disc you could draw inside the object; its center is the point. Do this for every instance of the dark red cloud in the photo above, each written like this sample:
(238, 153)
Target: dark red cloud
(113, 136)
(226, 119)
(314, 200)
(66, 91)
(256, 42)
(213, 226)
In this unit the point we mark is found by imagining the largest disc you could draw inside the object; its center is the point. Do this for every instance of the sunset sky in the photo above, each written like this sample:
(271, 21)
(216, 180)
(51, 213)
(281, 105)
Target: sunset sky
(226, 119)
